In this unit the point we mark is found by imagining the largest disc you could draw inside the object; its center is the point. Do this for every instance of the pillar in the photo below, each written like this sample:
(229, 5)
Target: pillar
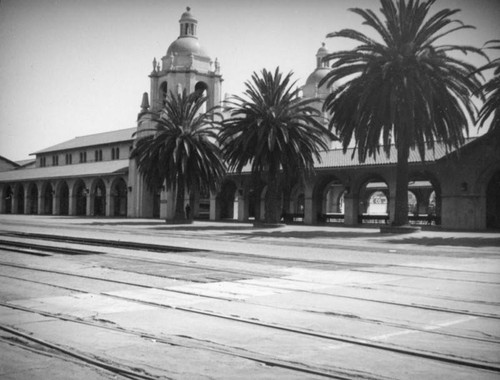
(243, 205)
(351, 208)
(310, 205)
(214, 207)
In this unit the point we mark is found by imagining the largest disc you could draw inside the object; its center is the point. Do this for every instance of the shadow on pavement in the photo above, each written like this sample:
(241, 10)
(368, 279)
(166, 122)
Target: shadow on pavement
(309, 234)
(187, 227)
(451, 241)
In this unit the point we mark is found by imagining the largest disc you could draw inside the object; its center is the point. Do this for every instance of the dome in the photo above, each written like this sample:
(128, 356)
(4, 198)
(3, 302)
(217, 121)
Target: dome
(188, 16)
(322, 51)
(317, 75)
(186, 46)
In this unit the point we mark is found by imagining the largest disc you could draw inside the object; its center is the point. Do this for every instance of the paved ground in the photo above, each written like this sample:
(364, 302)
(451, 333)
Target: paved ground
(297, 302)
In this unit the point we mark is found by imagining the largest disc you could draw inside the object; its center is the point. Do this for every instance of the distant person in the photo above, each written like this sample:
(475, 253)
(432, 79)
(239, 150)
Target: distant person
(188, 211)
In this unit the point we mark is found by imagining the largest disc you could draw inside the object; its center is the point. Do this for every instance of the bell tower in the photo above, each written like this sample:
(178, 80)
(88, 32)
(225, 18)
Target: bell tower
(185, 65)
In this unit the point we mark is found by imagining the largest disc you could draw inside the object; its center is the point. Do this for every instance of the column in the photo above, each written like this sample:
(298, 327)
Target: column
(351, 208)
(214, 207)
(310, 206)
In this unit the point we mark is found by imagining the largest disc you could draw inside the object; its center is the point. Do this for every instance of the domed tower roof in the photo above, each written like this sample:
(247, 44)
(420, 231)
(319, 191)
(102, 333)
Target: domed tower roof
(187, 43)
(322, 52)
(311, 88)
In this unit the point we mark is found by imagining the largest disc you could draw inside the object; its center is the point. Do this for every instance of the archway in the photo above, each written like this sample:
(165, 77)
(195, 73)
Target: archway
(227, 198)
(119, 198)
(48, 198)
(201, 89)
(373, 201)
(8, 196)
(99, 198)
(493, 202)
(163, 93)
(63, 198)
(33, 199)
(20, 199)
(80, 198)
(377, 203)
(424, 199)
(333, 202)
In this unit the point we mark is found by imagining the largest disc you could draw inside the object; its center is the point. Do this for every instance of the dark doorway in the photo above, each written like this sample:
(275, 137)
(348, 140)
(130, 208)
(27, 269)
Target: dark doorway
(493, 202)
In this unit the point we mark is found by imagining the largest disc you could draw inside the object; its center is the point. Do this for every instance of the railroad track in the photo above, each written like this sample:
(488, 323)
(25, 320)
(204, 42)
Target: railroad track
(40, 249)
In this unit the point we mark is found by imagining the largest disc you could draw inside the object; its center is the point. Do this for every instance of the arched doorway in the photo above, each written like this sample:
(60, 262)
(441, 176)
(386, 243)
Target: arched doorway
(424, 199)
(33, 199)
(63, 199)
(119, 198)
(333, 202)
(374, 201)
(20, 199)
(99, 198)
(48, 198)
(227, 198)
(163, 94)
(80, 198)
(493, 202)
(201, 90)
(7, 199)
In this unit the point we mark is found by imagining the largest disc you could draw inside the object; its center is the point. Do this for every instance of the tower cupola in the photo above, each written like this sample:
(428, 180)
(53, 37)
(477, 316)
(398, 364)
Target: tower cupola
(188, 24)
(322, 53)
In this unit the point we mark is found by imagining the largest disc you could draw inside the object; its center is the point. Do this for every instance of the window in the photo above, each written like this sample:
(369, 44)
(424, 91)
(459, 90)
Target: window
(69, 159)
(55, 160)
(115, 153)
(83, 157)
(43, 161)
(98, 155)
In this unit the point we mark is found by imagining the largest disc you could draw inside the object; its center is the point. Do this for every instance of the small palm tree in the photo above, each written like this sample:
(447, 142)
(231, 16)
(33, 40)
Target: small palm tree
(491, 90)
(275, 132)
(182, 152)
(405, 90)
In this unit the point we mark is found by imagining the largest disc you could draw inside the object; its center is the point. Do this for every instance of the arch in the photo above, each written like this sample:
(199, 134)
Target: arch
(332, 193)
(412, 203)
(427, 190)
(19, 195)
(326, 196)
(493, 201)
(48, 198)
(98, 197)
(119, 197)
(373, 199)
(201, 89)
(33, 199)
(62, 191)
(227, 198)
(377, 202)
(80, 195)
(7, 199)
(163, 93)
(296, 203)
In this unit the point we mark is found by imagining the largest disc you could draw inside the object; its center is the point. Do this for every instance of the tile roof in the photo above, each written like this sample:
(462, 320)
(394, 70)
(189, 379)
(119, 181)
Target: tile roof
(66, 171)
(92, 140)
(336, 158)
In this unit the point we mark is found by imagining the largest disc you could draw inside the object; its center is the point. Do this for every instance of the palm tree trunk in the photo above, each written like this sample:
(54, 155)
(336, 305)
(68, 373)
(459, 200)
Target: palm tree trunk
(179, 202)
(401, 196)
(272, 201)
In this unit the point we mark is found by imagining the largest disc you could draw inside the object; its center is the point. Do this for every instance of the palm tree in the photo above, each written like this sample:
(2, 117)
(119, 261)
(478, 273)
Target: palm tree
(182, 152)
(274, 131)
(405, 90)
(491, 90)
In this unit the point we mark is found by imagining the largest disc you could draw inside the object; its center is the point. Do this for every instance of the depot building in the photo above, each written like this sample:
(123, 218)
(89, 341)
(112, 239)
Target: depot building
(93, 176)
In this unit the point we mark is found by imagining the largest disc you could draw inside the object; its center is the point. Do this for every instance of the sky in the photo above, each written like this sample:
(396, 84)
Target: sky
(75, 67)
